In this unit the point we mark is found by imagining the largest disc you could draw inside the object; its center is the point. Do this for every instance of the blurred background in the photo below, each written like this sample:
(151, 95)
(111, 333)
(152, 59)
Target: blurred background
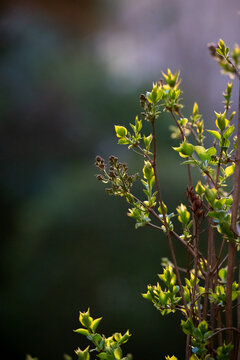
(69, 71)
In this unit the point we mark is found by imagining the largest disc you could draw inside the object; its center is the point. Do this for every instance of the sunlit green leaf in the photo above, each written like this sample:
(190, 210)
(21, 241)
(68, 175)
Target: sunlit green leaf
(229, 131)
(121, 131)
(82, 331)
(215, 133)
(95, 324)
(229, 170)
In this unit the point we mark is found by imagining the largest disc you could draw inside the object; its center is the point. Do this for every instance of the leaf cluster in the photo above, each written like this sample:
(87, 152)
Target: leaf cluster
(106, 348)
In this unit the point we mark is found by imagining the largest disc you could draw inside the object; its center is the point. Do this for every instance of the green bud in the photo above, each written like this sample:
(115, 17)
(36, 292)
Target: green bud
(171, 79)
(85, 318)
(236, 54)
(183, 121)
(164, 208)
(147, 141)
(200, 189)
(222, 49)
(148, 171)
(83, 354)
(195, 109)
(155, 95)
(221, 121)
(232, 116)
(183, 214)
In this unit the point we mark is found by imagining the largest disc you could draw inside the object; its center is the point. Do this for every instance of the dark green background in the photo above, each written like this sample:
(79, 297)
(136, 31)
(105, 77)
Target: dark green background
(67, 75)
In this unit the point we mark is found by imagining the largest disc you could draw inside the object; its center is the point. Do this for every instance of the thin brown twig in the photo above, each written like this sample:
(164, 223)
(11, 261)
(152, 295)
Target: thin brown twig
(234, 67)
(230, 328)
(143, 153)
(173, 233)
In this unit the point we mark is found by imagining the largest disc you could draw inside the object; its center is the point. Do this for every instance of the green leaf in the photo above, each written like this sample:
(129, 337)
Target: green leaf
(214, 133)
(222, 49)
(219, 51)
(95, 338)
(103, 356)
(185, 149)
(211, 195)
(200, 189)
(224, 143)
(183, 121)
(118, 353)
(138, 124)
(187, 326)
(183, 214)
(147, 296)
(83, 354)
(223, 274)
(124, 338)
(221, 44)
(229, 170)
(223, 352)
(229, 131)
(117, 336)
(195, 357)
(82, 331)
(221, 121)
(121, 131)
(95, 324)
(187, 162)
(147, 141)
(229, 201)
(200, 150)
(148, 171)
(203, 327)
(85, 318)
(155, 95)
(205, 154)
(123, 141)
(211, 151)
